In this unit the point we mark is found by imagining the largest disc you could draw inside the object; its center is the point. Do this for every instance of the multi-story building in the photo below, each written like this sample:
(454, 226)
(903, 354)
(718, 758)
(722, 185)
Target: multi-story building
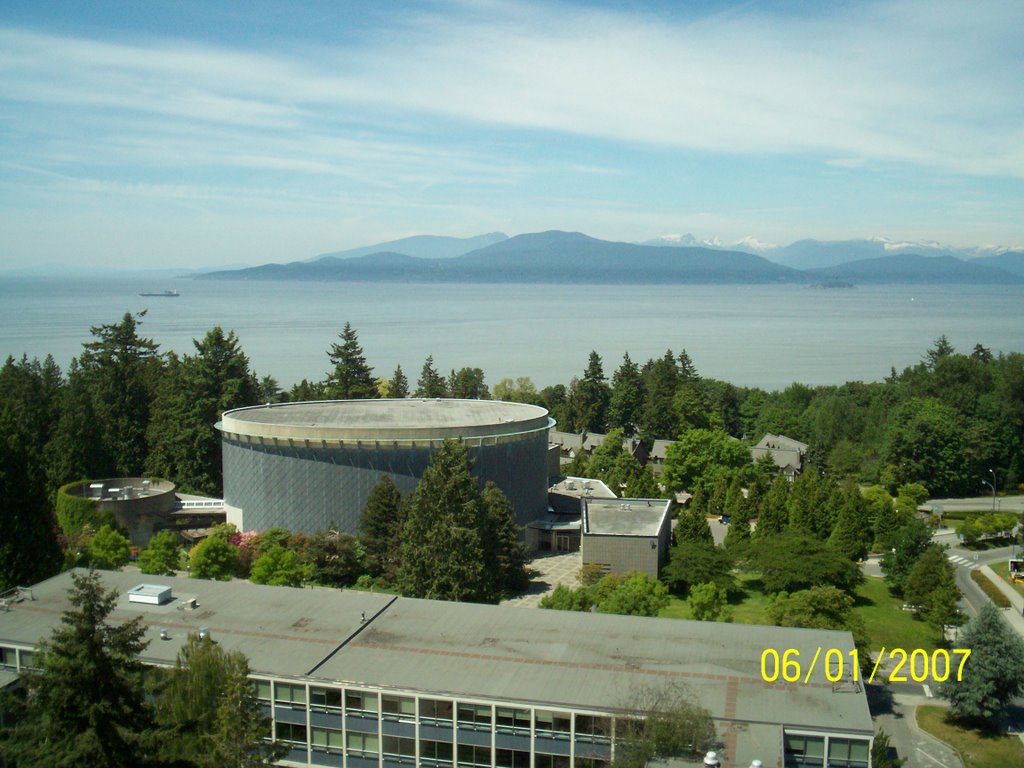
(359, 680)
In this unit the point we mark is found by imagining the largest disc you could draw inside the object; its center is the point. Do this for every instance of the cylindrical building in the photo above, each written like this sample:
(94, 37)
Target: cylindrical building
(310, 466)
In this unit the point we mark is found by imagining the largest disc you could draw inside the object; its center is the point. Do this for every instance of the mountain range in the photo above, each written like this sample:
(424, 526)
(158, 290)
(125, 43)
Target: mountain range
(574, 258)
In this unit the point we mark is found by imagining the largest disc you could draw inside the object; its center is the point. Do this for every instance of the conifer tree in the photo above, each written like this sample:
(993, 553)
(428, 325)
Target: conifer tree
(505, 554)
(589, 398)
(398, 386)
(380, 528)
(86, 705)
(625, 407)
(352, 378)
(738, 510)
(994, 672)
(442, 551)
(693, 526)
(661, 379)
(431, 383)
(852, 532)
(121, 371)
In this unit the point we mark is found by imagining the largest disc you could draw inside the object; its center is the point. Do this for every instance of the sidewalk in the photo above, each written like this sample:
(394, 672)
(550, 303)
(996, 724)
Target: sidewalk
(1015, 615)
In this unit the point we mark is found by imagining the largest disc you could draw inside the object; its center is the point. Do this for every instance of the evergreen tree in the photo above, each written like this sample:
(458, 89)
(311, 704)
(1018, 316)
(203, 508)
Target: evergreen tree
(993, 674)
(352, 378)
(442, 550)
(739, 513)
(852, 532)
(73, 453)
(931, 585)
(589, 398)
(698, 562)
(693, 526)
(505, 555)
(28, 545)
(468, 384)
(431, 383)
(398, 386)
(909, 543)
(661, 379)
(380, 528)
(86, 705)
(625, 406)
(121, 370)
(185, 446)
(810, 504)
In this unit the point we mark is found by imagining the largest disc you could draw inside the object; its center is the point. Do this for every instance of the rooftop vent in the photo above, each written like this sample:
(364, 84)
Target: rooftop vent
(151, 594)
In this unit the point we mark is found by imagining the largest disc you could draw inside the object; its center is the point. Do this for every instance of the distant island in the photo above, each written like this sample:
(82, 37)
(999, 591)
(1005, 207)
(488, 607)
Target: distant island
(573, 258)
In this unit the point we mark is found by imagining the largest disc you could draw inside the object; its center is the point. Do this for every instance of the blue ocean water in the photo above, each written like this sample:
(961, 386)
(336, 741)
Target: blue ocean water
(767, 336)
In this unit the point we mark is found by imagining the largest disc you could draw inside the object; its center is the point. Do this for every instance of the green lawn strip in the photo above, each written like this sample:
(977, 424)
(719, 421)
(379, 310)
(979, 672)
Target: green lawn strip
(1002, 568)
(990, 589)
(887, 624)
(978, 749)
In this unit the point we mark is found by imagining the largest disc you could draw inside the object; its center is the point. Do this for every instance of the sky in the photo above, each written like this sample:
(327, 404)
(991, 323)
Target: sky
(209, 133)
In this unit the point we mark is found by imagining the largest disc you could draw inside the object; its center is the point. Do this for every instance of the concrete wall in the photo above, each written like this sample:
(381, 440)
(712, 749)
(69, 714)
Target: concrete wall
(622, 553)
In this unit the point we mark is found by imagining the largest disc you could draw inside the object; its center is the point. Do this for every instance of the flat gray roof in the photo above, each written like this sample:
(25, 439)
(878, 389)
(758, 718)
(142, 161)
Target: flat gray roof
(547, 658)
(624, 517)
(374, 420)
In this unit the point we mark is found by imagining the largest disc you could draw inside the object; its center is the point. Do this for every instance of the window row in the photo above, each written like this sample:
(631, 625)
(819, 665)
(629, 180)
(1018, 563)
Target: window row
(550, 723)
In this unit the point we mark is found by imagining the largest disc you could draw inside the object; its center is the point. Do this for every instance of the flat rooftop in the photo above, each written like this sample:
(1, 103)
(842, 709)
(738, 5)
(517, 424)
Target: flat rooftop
(624, 517)
(555, 658)
(404, 419)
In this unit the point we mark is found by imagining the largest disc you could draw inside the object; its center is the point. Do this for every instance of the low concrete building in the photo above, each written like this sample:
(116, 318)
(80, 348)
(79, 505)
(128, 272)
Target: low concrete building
(622, 535)
(356, 679)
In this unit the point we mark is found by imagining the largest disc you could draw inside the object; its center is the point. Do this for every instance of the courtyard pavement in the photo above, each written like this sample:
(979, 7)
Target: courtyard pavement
(547, 572)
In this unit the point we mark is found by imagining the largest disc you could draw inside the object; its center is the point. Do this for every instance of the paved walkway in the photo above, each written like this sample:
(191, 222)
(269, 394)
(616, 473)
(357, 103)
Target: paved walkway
(547, 572)
(1015, 613)
(897, 716)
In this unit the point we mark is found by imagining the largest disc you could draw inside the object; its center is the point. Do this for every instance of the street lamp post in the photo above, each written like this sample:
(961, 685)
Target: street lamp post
(993, 473)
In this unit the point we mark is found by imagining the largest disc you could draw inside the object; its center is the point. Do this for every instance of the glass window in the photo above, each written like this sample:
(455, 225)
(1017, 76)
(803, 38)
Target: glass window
(361, 702)
(472, 755)
(435, 710)
(361, 743)
(8, 658)
(325, 738)
(847, 753)
(508, 719)
(804, 751)
(475, 716)
(291, 733)
(551, 761)
(435, 751)
(263, 690)
(284, 693)
(396, 745)
(398, 707)
(27, 659)
(591, 762)
(593, 728)
(512, 758)
(548, 723)
(325, 698)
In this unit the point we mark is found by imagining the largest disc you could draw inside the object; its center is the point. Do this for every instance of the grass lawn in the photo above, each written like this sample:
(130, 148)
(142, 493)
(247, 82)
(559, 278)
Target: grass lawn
(1003, 569)
(978, 749)
(887, 623)
(751, 609)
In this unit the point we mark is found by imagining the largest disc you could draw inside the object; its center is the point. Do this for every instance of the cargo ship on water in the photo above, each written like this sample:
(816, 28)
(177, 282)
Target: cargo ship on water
(164, 294)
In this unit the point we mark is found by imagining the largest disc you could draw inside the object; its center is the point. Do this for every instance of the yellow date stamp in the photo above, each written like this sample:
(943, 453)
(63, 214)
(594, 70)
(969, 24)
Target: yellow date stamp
(918, 665)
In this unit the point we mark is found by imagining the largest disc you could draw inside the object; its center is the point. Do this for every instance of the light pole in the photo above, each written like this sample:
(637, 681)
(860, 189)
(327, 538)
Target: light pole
(993, 473)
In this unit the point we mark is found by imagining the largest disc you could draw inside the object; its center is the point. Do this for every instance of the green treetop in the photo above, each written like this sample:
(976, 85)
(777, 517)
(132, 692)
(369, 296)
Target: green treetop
(351, 378)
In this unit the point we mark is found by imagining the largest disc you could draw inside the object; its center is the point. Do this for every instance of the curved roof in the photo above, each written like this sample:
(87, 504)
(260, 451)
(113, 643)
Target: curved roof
(375, 420)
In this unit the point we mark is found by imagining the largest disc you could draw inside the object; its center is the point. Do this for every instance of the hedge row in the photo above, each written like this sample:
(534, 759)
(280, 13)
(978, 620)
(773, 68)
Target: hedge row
(990, 589)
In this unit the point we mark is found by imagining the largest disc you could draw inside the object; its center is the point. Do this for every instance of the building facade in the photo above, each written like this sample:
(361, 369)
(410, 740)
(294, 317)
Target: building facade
(311, 466)
(364, 680)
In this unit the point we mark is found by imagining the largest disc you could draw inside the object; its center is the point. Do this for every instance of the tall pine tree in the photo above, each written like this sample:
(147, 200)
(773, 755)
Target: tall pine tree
(431, 383)
(352, 378)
